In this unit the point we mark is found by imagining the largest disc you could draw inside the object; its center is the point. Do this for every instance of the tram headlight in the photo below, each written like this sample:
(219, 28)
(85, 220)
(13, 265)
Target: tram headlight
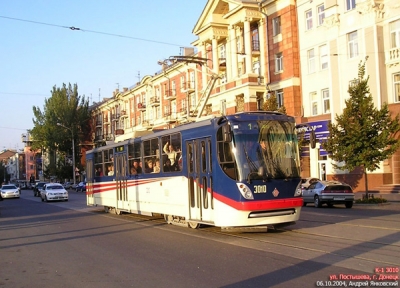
(245, 191)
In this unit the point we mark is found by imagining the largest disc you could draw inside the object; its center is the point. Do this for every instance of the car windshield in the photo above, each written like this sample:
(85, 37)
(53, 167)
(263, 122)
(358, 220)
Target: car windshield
(9, 187)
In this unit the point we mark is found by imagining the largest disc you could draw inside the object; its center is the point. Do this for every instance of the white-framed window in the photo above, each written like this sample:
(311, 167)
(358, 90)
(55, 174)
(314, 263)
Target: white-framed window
(173, 88)
(133, 122)
(309, 24)
(352, 41)
(395, 34)
(279, 98)
(276, 26)
(323, 56)
(321, 14)
(396, 82)
(350, 4)
(256, 67)
(311, 60)
(279, 62)
(223, 107)
(314, 103)
(222, 52)
(326, 101)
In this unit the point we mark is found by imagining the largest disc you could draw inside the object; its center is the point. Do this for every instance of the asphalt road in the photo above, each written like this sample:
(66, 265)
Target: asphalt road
(67, 244)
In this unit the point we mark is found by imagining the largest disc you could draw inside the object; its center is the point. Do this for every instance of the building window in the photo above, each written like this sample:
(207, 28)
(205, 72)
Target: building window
(350, 4)
(309, 24)
(278, 62)
(395, 34)
(314, 103)
(279, 98)
(321, 14)
(222, 53)
(311, 61)
(396, 82)
(323, 54)
(353, 44)
(326, 101)
(256, 67)
(182, 83)
(276, 26)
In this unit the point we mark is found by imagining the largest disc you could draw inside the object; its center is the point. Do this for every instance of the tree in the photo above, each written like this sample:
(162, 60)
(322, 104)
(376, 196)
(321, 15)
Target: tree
(271, 104)
(66, 107)
(363, 135)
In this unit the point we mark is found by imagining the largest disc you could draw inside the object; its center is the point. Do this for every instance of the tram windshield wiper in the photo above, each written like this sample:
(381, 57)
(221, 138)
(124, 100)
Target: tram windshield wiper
(259, 173)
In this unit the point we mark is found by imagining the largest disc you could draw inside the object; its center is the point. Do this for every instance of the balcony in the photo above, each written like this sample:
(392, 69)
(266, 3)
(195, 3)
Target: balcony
(141, 106)
(98, 123)
(119, 132)
(155, 101)
(222, 63)
(106, 121)
(147, 124)
(170, 94)
(188, 86)
(170, 117)
(393, 57)
(123, 114)
(98, 138)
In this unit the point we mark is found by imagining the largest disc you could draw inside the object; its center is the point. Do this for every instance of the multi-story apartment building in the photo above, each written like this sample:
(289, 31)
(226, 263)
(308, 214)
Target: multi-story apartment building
(334, 37)
(305, 52)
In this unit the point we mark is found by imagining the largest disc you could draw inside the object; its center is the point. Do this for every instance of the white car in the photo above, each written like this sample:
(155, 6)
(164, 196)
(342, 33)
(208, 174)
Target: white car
(53, 192)
(9, 191)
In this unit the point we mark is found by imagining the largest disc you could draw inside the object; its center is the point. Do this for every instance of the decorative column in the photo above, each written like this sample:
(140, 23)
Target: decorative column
(247, 45)
(204, 67)
(215, 59)
(231, 54)
(263, 56)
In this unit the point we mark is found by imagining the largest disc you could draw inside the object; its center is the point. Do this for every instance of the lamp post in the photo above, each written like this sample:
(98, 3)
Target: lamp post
(73, 150)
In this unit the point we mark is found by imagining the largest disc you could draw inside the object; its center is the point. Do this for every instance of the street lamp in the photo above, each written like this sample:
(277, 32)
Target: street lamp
(73, 149)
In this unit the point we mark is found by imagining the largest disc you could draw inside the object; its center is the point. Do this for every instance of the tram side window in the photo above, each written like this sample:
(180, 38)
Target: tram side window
(171, 154)
(135, 160)
(151, 150)
(190, 156)
(109, 162)
(98, 164)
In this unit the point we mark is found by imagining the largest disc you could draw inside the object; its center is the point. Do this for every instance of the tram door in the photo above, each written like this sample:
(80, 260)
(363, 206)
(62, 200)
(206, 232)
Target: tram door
(201, 202)
(89, 182)
(121, 181)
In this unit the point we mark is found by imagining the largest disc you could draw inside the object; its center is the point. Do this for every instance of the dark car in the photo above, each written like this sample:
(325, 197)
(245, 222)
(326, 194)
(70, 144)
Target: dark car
(36, 189)
(81, 187)
(329, 193)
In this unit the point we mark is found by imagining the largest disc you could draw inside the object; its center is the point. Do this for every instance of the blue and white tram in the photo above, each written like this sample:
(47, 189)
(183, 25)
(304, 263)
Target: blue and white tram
(235, 171)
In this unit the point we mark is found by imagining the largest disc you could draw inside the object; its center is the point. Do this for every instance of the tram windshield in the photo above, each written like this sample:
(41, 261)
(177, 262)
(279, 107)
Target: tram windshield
(272, 146)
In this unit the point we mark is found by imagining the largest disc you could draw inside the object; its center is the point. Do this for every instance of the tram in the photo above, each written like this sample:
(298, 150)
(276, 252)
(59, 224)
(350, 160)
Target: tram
(235, 171)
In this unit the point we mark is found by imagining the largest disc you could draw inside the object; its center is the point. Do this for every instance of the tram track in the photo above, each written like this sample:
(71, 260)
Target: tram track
(307, 245)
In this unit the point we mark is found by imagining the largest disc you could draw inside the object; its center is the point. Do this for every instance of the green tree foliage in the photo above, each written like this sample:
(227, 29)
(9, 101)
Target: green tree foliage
(66, 107)
(363, 135)
(271, 104)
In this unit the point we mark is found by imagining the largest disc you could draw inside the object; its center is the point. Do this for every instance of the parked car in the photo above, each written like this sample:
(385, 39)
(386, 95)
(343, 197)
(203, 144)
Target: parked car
(36, 189)
(328, 192)
(9, 191)
(53, 192)
(67, 185)
(305, 183)
(81, 187)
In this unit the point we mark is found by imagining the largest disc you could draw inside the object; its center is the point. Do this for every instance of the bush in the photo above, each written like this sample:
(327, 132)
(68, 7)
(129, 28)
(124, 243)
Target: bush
(371, 200)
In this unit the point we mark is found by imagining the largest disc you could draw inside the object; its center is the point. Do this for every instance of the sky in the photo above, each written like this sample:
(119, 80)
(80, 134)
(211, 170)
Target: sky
(97, 44)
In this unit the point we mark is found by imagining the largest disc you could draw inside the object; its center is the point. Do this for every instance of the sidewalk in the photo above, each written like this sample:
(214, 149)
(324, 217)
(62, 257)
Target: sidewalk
(390, 197)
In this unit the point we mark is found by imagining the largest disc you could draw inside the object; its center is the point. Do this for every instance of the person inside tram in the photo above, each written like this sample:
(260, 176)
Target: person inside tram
(136, 168)
(110, 170)
(157, 166)
(99, 172)
(171, 153)
(167, 166)
(149, 166)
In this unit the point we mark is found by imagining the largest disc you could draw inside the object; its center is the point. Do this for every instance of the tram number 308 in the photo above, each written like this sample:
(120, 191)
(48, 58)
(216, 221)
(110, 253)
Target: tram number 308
(260, 189)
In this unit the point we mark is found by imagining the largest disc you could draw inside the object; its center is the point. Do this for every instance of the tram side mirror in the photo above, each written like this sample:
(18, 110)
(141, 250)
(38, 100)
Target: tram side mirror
(226, 132)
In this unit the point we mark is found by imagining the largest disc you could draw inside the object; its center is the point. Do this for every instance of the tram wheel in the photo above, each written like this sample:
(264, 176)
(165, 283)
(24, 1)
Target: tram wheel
(193, 225)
